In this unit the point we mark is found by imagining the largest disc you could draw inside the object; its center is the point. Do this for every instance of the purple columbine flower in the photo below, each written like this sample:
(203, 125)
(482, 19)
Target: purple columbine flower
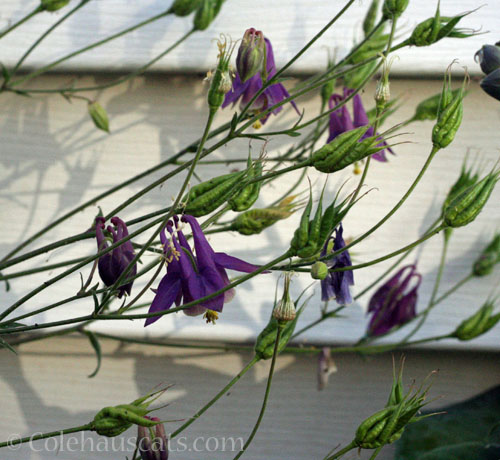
(114, 263)
(193, 275)
(271, 96)
(394, 303)
(341, 121)
(336, 284)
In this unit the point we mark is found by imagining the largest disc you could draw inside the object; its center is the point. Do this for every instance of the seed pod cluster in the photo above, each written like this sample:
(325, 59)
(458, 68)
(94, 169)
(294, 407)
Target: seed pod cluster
(206, 197)
(450, 113)
(466, 179)
(311, 235)
(249, 194)
(345, 150)
(487, 260)
(477, 324)
(465, 207)
(434, 29)
(428, 109)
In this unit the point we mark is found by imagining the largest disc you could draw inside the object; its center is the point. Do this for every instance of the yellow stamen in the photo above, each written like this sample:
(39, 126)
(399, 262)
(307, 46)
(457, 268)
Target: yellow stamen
(211, 316)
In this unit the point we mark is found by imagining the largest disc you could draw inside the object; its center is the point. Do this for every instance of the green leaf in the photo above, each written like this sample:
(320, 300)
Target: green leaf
(97, 348)
(465, 431)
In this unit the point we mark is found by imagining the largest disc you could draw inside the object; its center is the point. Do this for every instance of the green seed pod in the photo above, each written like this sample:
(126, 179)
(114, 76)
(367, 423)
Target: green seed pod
(358, 76)
(53, 5)
(256, 220)
(319, 270)
(434, 29)
(207, 12)
(249, 194)
(373, 47)
(450, 113)
(358, 152)
(487, 260)
(301, 235)
(466, 179)
(371, 17)
(184, 7)
(477, 324)
(364, 429)
(329, 155)
(465, 207)
(99, 116)
(206, 197)
(392, 9)
(312, 245)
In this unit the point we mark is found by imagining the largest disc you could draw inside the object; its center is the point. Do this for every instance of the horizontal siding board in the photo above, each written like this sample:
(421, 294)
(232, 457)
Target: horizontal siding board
(53, 159)
(298, 22)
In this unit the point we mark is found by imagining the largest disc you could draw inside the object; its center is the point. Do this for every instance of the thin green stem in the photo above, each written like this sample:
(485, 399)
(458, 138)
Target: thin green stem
(123, 32)
(266, 395)
(21, 21)
(105, 194)
(435, 289)
(52, 434)
(342, 452)
(221, 393)
(388, 215)
(454, 288)
(45, 34)
(145, 315)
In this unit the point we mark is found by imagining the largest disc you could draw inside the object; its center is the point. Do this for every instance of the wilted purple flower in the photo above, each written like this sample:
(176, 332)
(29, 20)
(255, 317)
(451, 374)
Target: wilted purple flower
(341, 121)
(336, 284)
(114, 263)
(271, 96)
(326, 366)
(191, 276)
(395, 302)
(152, 442)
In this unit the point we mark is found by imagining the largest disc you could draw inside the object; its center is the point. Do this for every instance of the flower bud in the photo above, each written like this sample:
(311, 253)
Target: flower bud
(477, 324)
(450, 113)
(489, 58)
(491, 84)
(251, 54)
(184, 7)
(392, 9)
(152, 443)
(319, 270)
(382, 90)
(284, 310)
(487, 260)
(53, 5)
(99, 116)
(464, 208)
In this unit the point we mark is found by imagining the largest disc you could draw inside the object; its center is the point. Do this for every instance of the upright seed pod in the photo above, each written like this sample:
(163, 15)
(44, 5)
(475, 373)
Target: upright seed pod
(249, 194)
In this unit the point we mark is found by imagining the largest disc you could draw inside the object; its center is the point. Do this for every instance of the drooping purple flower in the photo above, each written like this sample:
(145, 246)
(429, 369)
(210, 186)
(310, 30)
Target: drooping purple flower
(336, 284)
(341, 121)
(394, 303)
(112, 264)
(152, 442)
(246, 90)
(193, 275)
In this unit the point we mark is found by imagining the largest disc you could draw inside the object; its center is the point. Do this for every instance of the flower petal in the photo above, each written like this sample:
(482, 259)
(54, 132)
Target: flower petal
(166, 294)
